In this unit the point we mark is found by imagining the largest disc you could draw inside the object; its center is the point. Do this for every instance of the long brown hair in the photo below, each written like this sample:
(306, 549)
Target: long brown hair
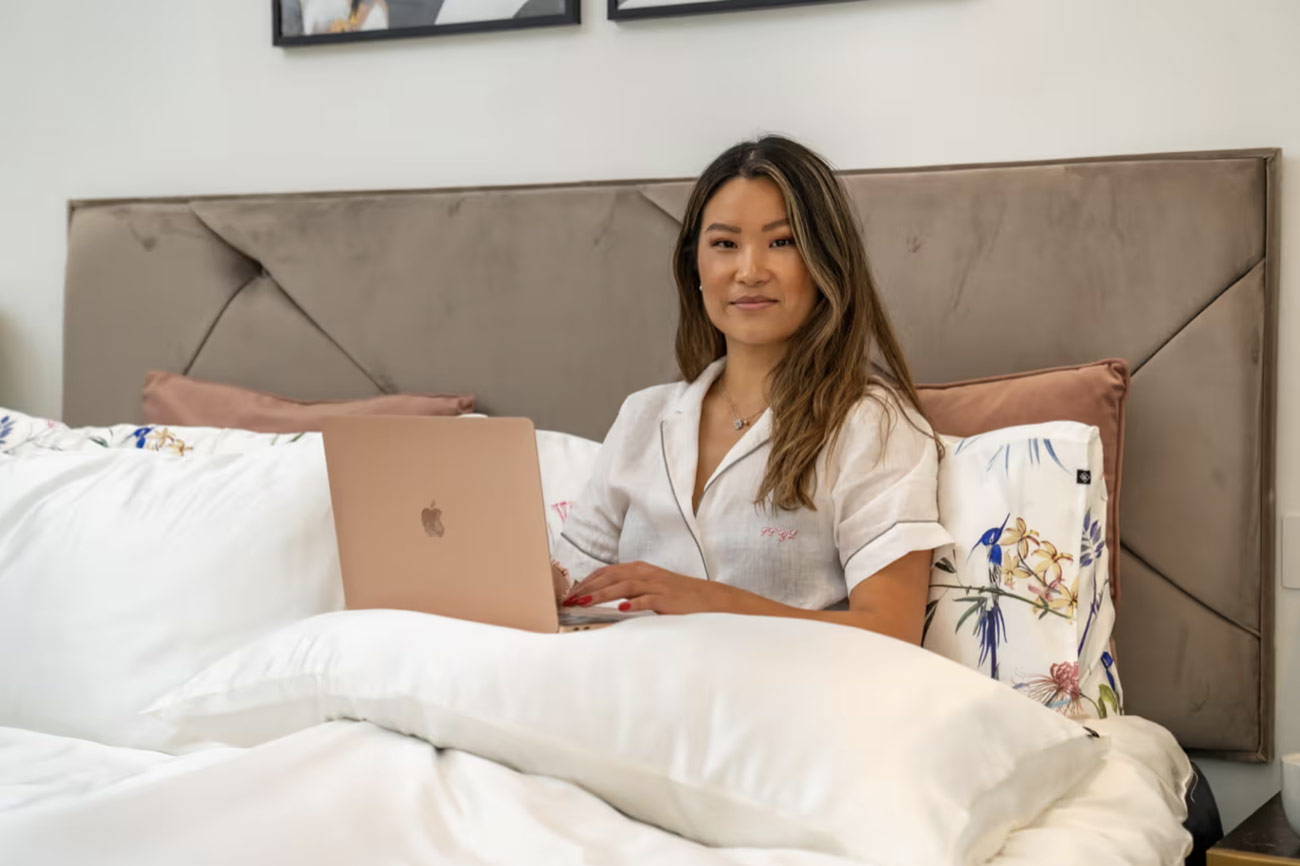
(829, 364)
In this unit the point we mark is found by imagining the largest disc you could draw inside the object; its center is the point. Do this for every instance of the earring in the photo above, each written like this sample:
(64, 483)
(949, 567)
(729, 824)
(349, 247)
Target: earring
(701, 287)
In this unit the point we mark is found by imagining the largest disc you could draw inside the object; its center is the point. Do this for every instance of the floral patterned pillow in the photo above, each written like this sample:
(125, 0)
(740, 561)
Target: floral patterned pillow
(1023, 593)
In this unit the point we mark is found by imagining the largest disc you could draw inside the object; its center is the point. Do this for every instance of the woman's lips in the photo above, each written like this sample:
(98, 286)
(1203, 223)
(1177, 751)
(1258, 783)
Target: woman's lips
(753, 305)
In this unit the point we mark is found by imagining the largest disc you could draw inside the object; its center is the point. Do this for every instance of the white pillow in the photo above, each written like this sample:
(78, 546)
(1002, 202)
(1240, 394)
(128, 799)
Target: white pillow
(732, 730)
(27, 434)
(122, 574)
(1024, 592)
(565, 459)
(566, 462)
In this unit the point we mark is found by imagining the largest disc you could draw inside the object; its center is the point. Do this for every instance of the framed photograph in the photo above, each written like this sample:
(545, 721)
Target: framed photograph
(319, 22)
(624, 9)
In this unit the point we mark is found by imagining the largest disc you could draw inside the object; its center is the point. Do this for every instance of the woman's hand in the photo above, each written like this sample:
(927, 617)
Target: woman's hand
(649, 587)
(891, 602)
(560, 581)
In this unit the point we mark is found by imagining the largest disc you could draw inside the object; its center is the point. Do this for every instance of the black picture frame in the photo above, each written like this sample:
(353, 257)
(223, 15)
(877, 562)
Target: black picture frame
(616, 14)
(571, 15)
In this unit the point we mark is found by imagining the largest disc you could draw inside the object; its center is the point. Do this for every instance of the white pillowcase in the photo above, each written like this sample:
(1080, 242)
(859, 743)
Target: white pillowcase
(566, 460)
(27, 434)
(732, 730)
(1024, 593)
(124, 573)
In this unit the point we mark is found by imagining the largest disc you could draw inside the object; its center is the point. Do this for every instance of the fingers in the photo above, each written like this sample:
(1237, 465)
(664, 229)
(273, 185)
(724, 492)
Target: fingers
(603, 576)
(618, 589)
(599, 578)
(620, 580)
(560, 581)
(643, 602)
(582, 585)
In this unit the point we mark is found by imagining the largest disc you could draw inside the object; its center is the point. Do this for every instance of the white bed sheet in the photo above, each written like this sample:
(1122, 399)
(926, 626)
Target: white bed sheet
(349, 792)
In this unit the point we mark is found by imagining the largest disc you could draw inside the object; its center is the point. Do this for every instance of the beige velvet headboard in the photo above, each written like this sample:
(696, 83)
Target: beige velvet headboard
(556, 301)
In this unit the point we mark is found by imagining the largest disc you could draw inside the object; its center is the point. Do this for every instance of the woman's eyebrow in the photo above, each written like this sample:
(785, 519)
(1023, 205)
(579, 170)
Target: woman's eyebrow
(767, 228)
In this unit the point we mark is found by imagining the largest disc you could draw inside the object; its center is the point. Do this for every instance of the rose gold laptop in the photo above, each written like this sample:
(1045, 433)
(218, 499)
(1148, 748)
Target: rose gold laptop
(445, 515)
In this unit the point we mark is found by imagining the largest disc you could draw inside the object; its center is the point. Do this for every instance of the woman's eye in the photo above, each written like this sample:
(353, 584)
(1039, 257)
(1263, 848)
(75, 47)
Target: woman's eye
(789, 242)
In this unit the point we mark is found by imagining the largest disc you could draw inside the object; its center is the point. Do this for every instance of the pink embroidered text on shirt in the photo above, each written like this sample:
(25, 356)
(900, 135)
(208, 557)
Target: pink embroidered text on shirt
(562, 508)
(780, 534)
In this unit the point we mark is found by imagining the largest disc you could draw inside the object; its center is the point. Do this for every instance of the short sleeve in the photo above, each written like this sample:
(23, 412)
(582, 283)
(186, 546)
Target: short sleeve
(886, 488)
(590, 534)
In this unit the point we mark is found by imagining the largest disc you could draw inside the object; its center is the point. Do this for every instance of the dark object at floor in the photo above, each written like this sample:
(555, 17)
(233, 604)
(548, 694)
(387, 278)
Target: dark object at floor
(1203, 820)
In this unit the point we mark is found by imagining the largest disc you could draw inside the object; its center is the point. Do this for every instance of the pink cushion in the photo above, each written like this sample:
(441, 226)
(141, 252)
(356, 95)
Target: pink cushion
(1089, 393)
(170, 398)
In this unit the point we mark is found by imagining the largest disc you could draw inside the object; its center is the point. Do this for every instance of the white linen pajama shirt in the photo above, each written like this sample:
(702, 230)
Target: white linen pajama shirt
(874, 504)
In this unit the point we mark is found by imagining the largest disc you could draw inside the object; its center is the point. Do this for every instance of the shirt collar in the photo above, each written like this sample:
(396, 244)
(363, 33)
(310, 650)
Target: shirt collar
(691, 399)
(680, 430)
(692, 395)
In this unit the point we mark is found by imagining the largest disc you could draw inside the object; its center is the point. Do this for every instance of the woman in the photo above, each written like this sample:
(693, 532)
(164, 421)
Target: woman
(780, 477)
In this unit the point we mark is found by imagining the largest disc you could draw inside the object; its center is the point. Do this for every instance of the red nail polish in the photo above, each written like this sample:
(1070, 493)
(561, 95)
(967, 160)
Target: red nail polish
(568, 602)
(627, 605)
(585, 600)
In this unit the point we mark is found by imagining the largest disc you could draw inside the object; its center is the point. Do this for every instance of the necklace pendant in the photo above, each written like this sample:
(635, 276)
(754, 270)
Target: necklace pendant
(740, 423)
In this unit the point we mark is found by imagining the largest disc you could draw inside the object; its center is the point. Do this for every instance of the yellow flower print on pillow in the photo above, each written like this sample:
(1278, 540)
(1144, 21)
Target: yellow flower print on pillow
(159, 439)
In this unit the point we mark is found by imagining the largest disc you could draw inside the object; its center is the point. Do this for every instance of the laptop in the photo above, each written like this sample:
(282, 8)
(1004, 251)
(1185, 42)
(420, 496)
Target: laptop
(445, 515)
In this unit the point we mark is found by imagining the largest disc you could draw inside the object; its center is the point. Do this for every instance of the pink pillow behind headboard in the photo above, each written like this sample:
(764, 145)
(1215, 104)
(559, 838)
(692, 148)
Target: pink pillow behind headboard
(171, 398)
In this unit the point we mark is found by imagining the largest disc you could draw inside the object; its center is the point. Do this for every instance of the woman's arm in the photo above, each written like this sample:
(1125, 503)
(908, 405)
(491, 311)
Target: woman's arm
(891, 602)
(589, 535)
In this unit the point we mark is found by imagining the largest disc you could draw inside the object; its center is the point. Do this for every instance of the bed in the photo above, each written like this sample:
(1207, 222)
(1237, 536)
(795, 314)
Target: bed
(1165, 260)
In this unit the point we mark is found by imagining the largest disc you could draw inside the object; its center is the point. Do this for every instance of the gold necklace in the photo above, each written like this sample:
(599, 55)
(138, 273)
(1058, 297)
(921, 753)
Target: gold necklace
(738, 421)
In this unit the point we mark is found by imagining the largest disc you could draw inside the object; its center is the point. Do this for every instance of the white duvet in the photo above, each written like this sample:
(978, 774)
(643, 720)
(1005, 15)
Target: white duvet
(348, 792)
(799, 742)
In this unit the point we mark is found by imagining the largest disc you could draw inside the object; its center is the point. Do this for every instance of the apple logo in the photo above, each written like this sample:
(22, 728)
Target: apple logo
(431, 517)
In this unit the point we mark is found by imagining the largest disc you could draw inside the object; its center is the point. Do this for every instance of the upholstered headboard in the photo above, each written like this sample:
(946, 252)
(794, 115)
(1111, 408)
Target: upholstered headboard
(555, 301)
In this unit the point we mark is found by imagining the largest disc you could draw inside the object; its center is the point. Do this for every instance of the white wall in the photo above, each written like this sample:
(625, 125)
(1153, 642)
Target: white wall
(157, 97)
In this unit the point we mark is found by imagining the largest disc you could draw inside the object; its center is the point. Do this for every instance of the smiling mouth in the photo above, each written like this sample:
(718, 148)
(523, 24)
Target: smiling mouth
(753, 304)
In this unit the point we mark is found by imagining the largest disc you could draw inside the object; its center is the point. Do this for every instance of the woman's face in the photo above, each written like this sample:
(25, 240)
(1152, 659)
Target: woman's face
(757, 290)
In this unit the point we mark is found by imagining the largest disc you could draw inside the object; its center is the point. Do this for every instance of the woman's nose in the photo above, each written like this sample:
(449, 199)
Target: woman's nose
(752, 267)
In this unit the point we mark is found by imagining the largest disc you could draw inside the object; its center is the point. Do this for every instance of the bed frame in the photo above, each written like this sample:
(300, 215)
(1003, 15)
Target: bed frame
(554, 301)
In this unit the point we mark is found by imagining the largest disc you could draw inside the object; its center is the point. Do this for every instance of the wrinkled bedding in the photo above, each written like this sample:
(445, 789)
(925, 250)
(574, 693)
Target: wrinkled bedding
(349, 792)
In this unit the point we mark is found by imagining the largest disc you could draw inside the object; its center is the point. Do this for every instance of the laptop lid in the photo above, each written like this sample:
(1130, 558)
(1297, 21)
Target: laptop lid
(442, 515)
